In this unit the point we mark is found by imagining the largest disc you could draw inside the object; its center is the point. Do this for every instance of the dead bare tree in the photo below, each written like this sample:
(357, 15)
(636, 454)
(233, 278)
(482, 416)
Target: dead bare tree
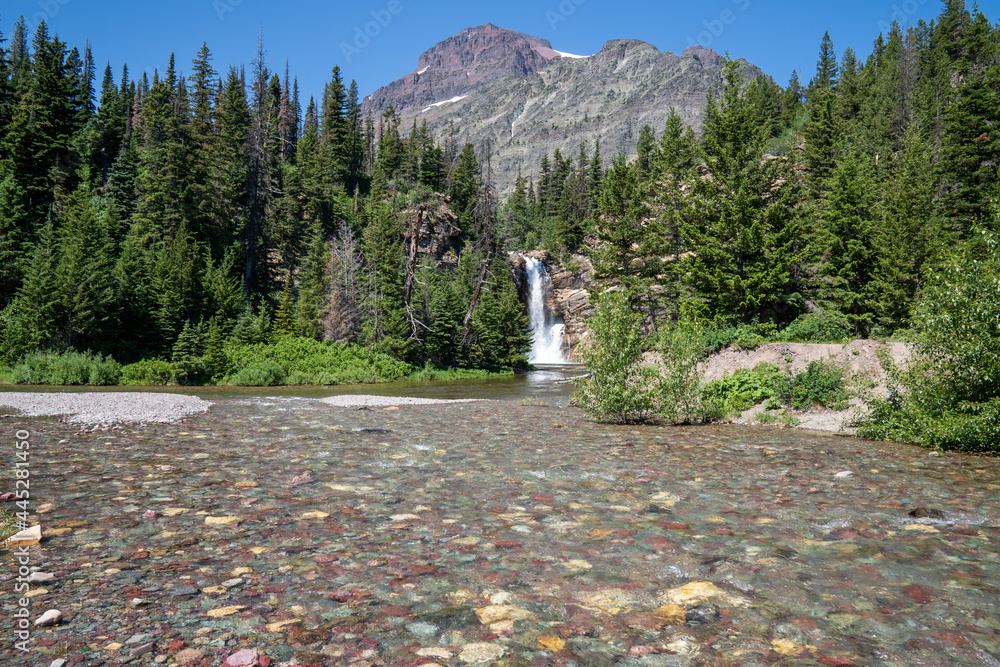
(485, 214)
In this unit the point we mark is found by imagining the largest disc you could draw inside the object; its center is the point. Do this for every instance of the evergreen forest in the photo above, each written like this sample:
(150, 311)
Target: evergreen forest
(207, 220)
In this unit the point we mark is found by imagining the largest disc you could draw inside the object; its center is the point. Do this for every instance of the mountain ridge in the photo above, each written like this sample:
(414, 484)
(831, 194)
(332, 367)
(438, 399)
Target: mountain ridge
(529, 99)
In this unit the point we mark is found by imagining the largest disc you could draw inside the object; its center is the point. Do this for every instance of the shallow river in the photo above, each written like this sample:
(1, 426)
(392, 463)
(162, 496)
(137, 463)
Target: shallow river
(507, 532)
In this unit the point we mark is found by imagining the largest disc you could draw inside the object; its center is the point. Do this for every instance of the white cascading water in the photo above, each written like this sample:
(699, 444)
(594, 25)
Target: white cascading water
(547, 342)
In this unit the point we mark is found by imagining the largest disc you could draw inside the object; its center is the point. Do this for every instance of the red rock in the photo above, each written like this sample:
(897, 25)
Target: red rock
(244, 658)
(175, 645)
(662, 545)
(837, 662)
(543, 499)
(918, 594)
(672, 525)
(8, 496)
(325, 558)
(150, 514)
(507, 545)
(265, 661)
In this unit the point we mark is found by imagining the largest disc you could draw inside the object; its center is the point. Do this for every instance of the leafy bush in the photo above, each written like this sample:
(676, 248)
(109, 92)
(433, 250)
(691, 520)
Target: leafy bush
(949, 396)
(744, 336)
(623, 387)
(148, 372)
(68, 368)
(744, 389)
(8, 524)
(430, 372)
(818, 327)
(820, 384)
(308, 361)
(260, 374)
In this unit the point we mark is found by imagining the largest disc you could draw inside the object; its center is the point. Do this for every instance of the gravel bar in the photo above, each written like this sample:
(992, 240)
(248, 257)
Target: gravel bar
(367, 401)
(106, 407)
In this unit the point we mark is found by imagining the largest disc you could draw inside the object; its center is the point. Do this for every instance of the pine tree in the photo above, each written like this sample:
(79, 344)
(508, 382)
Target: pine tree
(849, 218)
(310, 307)
(83, 276)
(465, 186)
(740, 226)
(284, 316)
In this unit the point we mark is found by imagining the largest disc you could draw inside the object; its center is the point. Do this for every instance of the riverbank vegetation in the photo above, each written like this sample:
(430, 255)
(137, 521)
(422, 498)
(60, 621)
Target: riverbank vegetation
(862, 205)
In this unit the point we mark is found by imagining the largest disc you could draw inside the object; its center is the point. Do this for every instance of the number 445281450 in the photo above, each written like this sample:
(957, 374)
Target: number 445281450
(22, 486)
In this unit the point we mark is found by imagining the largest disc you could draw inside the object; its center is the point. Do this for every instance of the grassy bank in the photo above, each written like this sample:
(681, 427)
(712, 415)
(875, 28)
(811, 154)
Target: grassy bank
(290, 361)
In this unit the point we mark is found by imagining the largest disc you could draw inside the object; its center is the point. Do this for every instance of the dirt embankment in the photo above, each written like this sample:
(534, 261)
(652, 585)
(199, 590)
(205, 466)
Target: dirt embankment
(859, 360)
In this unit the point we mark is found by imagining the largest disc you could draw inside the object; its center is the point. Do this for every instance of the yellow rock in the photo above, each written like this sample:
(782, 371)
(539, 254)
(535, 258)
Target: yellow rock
(113, 646)
(502, 626)
(214, 590)
(112, 570)
(788, 648)
(398, 456)
(405, 517)
(392, 409)
(315, 515)
(665, 499)
(201, 456)
(221, 520)
(35, 592)
(577, 565)
(716, 519)
(672, 614)
(551, 642)
(246, 484)
(466, 541)
(222, 612)
(921, 528)
(174, 511)
(697, 592)
(612, 601)
(764, 520)
(440, 451)
(481, 654)
(501, 612)
(256, 551)
(60, 531)
(278, 626)
(600, 533)
(240, 571)
(444, 654)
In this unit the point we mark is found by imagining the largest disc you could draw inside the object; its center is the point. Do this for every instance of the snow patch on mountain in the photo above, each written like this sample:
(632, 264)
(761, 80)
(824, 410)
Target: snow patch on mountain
(438, 104)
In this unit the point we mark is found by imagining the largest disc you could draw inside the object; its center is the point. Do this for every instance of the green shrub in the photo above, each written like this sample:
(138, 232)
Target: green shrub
(623, 386)
(949, 395)
(8, 524)
(68, 368)
(311, 362)
(821, 327)
(820, 384)
(431, 373)
(260, 374)
(744, 389)
(148, 372)
(744, 336)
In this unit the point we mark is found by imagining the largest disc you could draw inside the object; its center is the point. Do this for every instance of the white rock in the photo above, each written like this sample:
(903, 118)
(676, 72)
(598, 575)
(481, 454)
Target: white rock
(846, 473)
(51, 617)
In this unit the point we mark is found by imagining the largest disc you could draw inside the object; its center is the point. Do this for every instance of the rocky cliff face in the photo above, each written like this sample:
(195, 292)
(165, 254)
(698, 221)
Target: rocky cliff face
(529, 99)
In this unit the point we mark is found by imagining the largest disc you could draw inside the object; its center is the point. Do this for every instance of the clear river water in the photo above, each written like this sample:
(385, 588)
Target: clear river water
(512, 531)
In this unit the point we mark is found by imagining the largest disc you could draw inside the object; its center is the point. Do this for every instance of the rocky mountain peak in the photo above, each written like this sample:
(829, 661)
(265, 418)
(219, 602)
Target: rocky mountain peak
(471, 59)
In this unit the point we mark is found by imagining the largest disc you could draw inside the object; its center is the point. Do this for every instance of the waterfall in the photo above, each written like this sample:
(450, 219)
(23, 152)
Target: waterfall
(547, 341)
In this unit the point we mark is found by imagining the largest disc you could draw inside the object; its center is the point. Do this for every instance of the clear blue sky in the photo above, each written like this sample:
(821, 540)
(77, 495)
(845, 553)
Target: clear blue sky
(776, 35)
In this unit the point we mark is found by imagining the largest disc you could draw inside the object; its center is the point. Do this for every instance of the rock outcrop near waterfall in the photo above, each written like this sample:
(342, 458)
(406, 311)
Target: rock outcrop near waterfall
(568, 298)
(529, 99)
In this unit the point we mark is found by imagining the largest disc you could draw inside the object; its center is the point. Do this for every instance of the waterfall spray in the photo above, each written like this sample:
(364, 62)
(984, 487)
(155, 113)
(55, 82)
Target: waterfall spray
(547, 344)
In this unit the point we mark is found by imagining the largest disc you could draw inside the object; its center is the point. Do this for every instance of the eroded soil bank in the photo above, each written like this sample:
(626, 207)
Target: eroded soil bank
(498, 533)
